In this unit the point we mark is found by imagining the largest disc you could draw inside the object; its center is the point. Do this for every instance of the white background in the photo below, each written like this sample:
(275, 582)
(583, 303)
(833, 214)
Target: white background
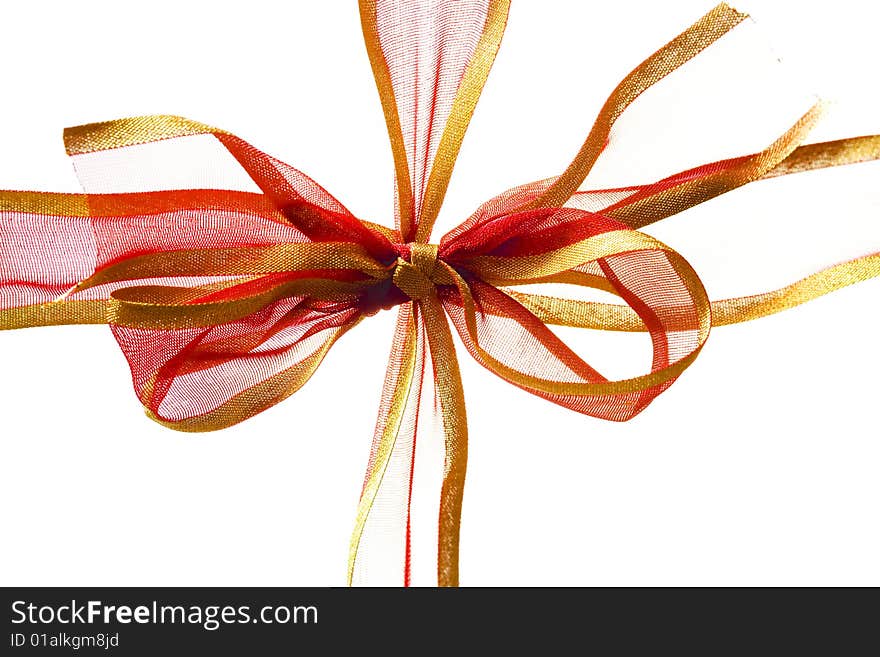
(759, 467)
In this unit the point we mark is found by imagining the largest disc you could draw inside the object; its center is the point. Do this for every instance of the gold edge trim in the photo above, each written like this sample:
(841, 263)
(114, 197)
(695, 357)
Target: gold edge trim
(808, 157)
(44, 203)
(57, 313)
(450, 392)
(385, 87)
(132, 131)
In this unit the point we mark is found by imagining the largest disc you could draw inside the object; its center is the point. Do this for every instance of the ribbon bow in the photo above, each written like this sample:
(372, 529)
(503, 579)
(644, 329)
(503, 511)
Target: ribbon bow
(225, 302)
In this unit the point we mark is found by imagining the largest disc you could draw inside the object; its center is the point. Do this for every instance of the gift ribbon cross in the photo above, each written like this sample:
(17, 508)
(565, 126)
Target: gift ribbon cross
(224, 303)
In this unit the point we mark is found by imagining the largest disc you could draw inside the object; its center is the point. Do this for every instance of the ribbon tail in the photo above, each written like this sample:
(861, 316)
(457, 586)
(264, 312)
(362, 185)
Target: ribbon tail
(430, 61)
(381, 535)
(650, 206)
(615, 317)
(380, 544)
(687, 45)
(450, 395)
(809, 157)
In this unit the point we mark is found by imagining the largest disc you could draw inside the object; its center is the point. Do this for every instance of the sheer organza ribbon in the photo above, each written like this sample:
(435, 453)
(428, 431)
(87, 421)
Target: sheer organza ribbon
(225, 302)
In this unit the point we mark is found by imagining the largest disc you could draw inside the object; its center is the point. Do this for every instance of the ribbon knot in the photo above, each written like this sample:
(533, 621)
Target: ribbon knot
(416, 272)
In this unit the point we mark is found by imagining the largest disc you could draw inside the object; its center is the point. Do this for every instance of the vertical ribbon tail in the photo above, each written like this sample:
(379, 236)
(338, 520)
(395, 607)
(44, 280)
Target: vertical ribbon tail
(380, 545)
(379, 553)
(430, 61)
(450, 397)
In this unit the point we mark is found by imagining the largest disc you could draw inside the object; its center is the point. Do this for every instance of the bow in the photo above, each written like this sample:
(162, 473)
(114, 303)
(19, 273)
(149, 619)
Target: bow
(225, 302)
